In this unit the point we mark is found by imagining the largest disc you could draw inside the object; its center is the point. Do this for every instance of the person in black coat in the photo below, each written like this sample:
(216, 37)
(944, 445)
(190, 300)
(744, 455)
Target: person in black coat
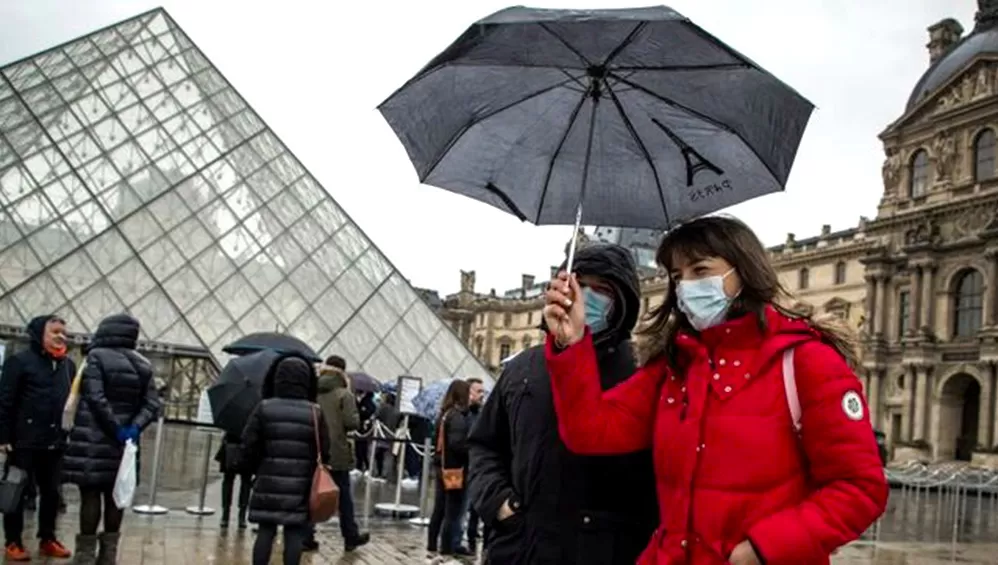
(451, 453)
(279, 446)
(229, 458)
(118, 399)
(34, 386)
(543, 504)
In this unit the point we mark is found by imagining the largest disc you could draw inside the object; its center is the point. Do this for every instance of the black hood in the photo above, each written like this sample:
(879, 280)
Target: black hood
(291, 376)
(36, 331)
(119, 331)
(613, 264)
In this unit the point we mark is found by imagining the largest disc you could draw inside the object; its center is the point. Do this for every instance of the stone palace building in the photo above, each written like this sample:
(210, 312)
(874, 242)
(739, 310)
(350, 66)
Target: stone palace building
(919, 281)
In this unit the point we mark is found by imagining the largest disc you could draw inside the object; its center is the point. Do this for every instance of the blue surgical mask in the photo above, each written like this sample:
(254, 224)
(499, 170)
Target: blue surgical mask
(704, 301)
(597, 307)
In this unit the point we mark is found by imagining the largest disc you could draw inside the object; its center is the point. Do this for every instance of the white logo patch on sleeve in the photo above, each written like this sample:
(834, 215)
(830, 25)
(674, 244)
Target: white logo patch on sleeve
(852, 405)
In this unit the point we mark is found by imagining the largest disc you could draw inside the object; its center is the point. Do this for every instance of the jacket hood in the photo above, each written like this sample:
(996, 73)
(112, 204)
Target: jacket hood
(785, 327)
(331, 379)
(36, 330)
(614, 264)
(119, 331)
(290, 376)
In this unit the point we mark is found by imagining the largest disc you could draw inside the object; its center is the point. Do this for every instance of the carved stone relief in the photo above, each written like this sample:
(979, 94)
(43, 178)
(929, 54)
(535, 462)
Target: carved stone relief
(971, 222)
(891, 171)
(973, 86)
(946, 155)
(925, 233)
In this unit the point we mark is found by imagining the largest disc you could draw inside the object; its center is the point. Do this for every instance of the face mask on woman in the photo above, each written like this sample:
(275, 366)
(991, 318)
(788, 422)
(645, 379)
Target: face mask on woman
(597, 309)
(704, 301)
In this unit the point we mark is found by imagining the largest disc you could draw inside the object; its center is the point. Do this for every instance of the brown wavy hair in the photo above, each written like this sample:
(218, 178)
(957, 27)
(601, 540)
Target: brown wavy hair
(733, 241)
(457, 396)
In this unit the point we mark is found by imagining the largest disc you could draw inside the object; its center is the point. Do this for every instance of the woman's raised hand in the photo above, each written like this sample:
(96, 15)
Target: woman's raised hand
(565, 312)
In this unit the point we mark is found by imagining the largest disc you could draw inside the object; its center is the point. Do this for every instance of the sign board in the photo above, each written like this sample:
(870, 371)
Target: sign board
(3, 352)
(408, 389)
(204, 415)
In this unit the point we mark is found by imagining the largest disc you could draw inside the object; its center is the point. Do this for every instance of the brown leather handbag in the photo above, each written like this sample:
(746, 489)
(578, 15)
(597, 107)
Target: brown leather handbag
(453, 479)
(324, 498)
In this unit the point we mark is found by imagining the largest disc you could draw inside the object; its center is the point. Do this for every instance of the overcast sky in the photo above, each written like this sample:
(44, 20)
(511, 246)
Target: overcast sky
(316, 70)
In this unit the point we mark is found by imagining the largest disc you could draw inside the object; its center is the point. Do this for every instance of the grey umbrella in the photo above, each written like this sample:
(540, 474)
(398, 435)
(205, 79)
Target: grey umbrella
(637, 116)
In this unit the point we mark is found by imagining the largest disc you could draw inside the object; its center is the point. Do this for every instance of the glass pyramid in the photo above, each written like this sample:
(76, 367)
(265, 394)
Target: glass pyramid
(133, 177)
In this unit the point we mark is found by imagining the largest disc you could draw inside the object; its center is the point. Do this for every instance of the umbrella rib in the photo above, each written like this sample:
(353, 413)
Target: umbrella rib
(556, 154)
(691, 68)
(702, 116)
(623, 44)
(570, 47)
(643, 147)
(457, 137)
(513, 208)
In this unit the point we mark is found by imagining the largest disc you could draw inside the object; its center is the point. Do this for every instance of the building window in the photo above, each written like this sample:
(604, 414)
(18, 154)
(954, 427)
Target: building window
(507, 320)
(904, 313)
(527, 342)
(803, 279)
(840, 273)
(984, 151)
(504, 350)
(530, 319)
(968, 304)
(479, 345)
(919, 181)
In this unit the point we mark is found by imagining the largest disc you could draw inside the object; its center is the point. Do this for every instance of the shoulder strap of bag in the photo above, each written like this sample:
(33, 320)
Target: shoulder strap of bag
(442, 440)
(790, 385)
(315, 428)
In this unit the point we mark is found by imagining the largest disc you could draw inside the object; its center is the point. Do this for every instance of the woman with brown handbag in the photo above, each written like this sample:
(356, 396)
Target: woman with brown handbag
(450, 463)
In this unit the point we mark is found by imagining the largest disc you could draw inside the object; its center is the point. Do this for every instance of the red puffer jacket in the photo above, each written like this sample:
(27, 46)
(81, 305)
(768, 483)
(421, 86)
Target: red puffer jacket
(729, 464)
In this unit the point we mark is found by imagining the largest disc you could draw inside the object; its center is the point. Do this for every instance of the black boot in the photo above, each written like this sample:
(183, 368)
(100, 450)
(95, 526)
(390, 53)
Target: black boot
(360, 540)
(225, 518)
(108, 552)
(242, 518)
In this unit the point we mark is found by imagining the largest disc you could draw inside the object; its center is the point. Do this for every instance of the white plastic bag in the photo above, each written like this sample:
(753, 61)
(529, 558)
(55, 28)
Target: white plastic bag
(125, 482)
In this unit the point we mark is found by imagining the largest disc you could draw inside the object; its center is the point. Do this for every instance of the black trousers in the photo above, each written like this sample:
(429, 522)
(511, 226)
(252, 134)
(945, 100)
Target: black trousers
(445, 522)
(361, 453)
(228, 483)
(294, 538)
(348, 521)
(97, 503)
(45, 466)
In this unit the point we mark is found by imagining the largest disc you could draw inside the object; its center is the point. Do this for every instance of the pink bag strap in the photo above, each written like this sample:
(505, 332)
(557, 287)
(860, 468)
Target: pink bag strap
(790, 385)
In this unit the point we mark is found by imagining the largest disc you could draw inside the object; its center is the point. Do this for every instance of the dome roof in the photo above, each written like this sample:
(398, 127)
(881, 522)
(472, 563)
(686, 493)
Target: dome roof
(983, 41)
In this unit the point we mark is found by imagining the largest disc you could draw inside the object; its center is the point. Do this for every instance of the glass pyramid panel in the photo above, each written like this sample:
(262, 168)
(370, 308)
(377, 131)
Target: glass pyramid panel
(133, 177)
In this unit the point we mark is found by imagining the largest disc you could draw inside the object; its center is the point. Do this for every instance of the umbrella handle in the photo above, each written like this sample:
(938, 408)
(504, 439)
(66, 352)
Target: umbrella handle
(575, 238)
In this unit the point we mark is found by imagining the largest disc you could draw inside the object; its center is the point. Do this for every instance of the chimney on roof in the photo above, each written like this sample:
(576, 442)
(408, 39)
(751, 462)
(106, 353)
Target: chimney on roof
(944, 35)
(987, 15)
(826, 230)
(526, 283)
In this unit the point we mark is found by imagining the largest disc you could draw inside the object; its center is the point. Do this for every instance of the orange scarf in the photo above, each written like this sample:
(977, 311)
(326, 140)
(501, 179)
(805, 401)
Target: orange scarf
(57, 353)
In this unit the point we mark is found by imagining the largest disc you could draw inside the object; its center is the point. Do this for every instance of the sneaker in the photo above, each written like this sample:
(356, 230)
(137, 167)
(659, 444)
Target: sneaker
(52, 548)
(310, 545)
(362, 540)
(16, 552)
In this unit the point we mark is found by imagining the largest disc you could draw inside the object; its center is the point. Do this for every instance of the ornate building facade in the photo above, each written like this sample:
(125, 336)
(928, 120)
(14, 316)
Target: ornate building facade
(919, 281)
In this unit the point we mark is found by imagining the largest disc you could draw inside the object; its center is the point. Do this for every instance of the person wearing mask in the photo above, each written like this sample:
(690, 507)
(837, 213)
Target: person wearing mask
(229, 460)
(451, 454)
(34, 386)
(279, 446)
(388, 414)
(476, 394)
(118, 399)
(342, 416)
(748, 401)
(543, 504)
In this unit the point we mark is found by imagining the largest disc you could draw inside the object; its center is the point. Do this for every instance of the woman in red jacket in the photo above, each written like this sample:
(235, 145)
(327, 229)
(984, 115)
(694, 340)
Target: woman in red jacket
(762, 442)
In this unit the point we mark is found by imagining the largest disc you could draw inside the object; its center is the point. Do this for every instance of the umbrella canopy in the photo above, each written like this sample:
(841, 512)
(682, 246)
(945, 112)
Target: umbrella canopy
(237, 390)
(636, 116)
(362, 382)
(429, 399)
(279, 342)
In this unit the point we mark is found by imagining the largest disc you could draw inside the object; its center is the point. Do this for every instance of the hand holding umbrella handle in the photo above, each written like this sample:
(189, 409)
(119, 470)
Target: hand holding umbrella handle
(564, 314)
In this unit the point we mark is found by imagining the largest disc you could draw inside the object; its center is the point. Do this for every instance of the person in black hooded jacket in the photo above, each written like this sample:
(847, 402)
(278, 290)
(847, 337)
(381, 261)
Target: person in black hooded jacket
(118, 400)
(543, 504)
(34, 386)
(279, 445)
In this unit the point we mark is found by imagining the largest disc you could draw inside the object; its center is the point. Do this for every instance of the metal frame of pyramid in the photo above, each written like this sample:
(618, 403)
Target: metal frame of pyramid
(134, 177)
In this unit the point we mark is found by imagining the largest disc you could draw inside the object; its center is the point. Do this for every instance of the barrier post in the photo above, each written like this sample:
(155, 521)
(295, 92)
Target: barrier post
(375, 433)
(152, 508)
(397, 509)
(201, 509)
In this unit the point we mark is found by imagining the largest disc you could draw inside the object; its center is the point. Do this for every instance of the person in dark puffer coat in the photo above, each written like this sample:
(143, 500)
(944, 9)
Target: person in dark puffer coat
(279, 445)
(118, 399)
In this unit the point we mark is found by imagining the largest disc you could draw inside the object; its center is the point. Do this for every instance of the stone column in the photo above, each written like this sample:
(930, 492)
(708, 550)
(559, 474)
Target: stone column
(907, 409)
(928, 297)
(985, 415)
(991, 311)
(871, 304)
(878, 306)
(994, 405)
(873, 396)
(920, 404)
(915, 300)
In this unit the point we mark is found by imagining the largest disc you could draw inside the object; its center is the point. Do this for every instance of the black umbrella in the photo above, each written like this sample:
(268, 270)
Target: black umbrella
(362, 382)
(638, 116)
(279, 342)
(237, 390)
